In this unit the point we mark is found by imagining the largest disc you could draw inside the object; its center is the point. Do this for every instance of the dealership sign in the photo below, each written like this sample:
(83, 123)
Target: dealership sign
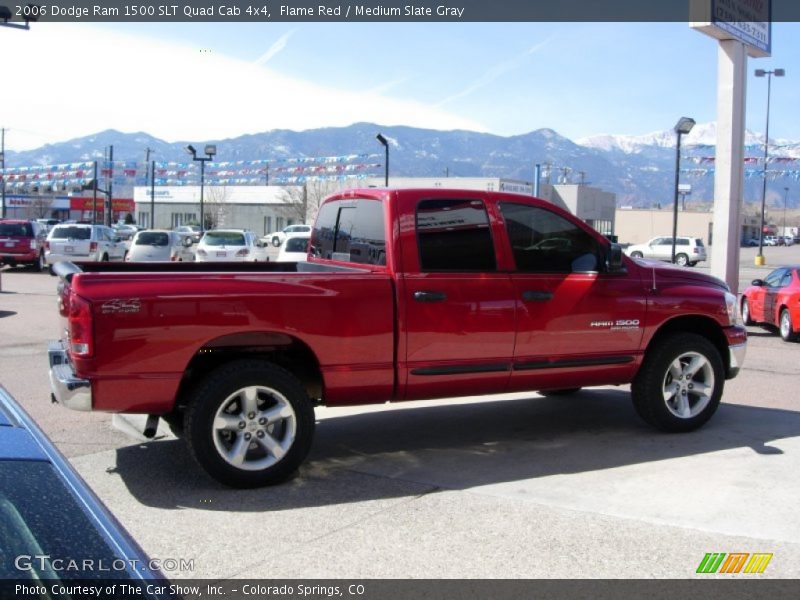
(749, 21)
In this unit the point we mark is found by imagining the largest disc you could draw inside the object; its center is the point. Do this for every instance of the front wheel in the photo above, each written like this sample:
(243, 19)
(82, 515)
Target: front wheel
(787, 333)
(680, 383)
(746, 318)
(250, 424)
(637, 254)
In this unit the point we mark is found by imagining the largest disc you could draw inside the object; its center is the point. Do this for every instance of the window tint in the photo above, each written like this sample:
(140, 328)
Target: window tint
(682, 242)
(152, 238)
(543, 241)
(774, 278)
(223, 238)
(350, 230)
(16, 229)
(296, 244)
(454, 235)
(68, 232)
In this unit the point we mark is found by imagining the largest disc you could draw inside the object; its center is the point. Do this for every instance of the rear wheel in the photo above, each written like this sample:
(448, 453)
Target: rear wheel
(680, 383)
(40, 264)
(681, 260)
(104, 258)
(787, 333)
(250, 424)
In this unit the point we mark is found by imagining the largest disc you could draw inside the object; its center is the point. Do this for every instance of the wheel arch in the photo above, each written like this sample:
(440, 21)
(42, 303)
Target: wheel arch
(698, 324)
(286, 351)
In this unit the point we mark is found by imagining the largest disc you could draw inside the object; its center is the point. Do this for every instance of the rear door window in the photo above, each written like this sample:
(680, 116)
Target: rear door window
(454, 235)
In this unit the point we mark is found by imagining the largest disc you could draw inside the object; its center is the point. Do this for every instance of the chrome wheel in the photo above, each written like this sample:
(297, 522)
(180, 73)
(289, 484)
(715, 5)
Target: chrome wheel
(785, 326)
(681, 260)
(688, 385)
(254, 428)
(746, 312)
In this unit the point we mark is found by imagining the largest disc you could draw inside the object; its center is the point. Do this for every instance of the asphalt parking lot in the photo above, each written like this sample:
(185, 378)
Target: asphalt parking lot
(513, 486)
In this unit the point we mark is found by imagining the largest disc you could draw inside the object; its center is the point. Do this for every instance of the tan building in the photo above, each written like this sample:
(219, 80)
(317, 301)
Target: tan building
(637, 226)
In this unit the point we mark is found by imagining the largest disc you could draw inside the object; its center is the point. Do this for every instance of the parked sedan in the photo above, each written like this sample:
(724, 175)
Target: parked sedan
(775, 300)
(222, 245)
(278, 237)
(53, 529)
(160, 245)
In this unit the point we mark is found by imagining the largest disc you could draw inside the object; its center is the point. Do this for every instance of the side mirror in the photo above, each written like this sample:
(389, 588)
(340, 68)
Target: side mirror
(758, 282)
(614, 259)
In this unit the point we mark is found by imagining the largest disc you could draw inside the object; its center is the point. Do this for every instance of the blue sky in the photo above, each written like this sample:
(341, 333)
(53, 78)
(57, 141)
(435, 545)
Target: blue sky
(200, 81)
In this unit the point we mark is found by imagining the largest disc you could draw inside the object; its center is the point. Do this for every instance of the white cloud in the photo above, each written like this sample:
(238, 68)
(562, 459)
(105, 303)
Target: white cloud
(71, 80)
(279, 45)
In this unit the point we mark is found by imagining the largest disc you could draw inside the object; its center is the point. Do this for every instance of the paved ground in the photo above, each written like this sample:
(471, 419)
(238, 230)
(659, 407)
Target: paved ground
(514, 486)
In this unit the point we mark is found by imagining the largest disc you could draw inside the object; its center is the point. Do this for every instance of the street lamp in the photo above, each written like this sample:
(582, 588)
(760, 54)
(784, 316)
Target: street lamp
(761, 73)
(683, 127)
(385, 143)
(210, 151)
(785, 201)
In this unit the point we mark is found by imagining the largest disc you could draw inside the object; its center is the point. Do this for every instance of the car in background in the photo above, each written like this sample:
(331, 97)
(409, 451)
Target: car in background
(80, 243)
(125, 232)
(53, 528)
(775, 301)
(226, 245)
(278, 237)
(295, 249)
(160, 245)
(772, 240)
(48, 224)
(688, 250)
(788, 240)
(22, 242)
(194, 231)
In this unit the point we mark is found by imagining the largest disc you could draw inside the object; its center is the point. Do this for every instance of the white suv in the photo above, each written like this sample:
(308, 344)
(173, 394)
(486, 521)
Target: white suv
(278, 237)
(80, 243)
(688, 250)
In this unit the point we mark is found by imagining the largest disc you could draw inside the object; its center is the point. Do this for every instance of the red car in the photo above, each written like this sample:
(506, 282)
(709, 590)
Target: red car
(775, 300)
(22, 243)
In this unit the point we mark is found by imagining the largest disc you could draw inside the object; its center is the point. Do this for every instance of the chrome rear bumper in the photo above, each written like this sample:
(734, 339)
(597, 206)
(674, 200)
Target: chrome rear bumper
(66, 388)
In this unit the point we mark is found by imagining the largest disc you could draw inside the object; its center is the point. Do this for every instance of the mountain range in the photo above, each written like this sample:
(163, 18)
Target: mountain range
(640, 170)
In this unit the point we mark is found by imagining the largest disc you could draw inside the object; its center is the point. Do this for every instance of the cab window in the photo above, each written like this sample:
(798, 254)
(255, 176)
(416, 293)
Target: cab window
(350, 230)
(544, 242)
(454, 235)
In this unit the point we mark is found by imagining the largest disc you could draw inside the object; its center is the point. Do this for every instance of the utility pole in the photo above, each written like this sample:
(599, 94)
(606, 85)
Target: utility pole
(3, 169)
(152, 174)
(110, 184)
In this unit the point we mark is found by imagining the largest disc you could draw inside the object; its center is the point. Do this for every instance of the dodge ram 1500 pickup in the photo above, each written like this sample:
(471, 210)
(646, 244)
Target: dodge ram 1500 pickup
(406, 294)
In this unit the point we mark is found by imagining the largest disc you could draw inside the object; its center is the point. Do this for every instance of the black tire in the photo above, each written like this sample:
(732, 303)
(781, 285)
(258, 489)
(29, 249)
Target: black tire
(104, 258)
(746, 319)
(681, 260)
(40, 264)
(788, 334)
(701, 368)
(272, 436)
(174, 421)
(276, 241)
(637, 254)
(562, 392)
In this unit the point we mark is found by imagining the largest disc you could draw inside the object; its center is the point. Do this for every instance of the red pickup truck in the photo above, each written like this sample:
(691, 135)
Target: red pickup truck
(407, 294)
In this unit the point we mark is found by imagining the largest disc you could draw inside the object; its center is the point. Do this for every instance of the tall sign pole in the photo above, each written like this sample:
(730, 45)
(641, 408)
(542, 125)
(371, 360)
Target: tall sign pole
(743, 28)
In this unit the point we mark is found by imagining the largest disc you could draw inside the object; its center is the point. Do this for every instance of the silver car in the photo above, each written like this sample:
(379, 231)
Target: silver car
(236, 245)
(160, 245)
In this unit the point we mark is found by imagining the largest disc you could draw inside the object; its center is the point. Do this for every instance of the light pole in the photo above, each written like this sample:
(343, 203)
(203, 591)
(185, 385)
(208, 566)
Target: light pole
(683, 126)
(761, 73)
(785, 201)
(385, 143)
(3, 170)
(210, 151)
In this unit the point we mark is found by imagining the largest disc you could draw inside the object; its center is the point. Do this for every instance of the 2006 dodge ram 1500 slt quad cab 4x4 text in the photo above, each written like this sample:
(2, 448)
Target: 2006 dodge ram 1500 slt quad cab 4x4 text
(407, 294)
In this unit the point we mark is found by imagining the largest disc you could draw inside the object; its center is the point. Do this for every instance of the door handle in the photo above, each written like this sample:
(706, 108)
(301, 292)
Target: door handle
(536, 296)
(430, 296)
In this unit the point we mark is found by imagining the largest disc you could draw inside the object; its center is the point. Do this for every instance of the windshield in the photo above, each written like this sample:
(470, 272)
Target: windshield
(71, 233)
(223, 238)
(19, 229)
(296, 244)
(152, 238)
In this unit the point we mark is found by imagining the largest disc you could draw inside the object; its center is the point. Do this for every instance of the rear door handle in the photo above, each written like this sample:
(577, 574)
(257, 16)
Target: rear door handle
(430, 296)
(536, 296)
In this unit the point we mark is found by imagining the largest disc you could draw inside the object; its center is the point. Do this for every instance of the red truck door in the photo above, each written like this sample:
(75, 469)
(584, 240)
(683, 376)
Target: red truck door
(458, 308)
(576, 325)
